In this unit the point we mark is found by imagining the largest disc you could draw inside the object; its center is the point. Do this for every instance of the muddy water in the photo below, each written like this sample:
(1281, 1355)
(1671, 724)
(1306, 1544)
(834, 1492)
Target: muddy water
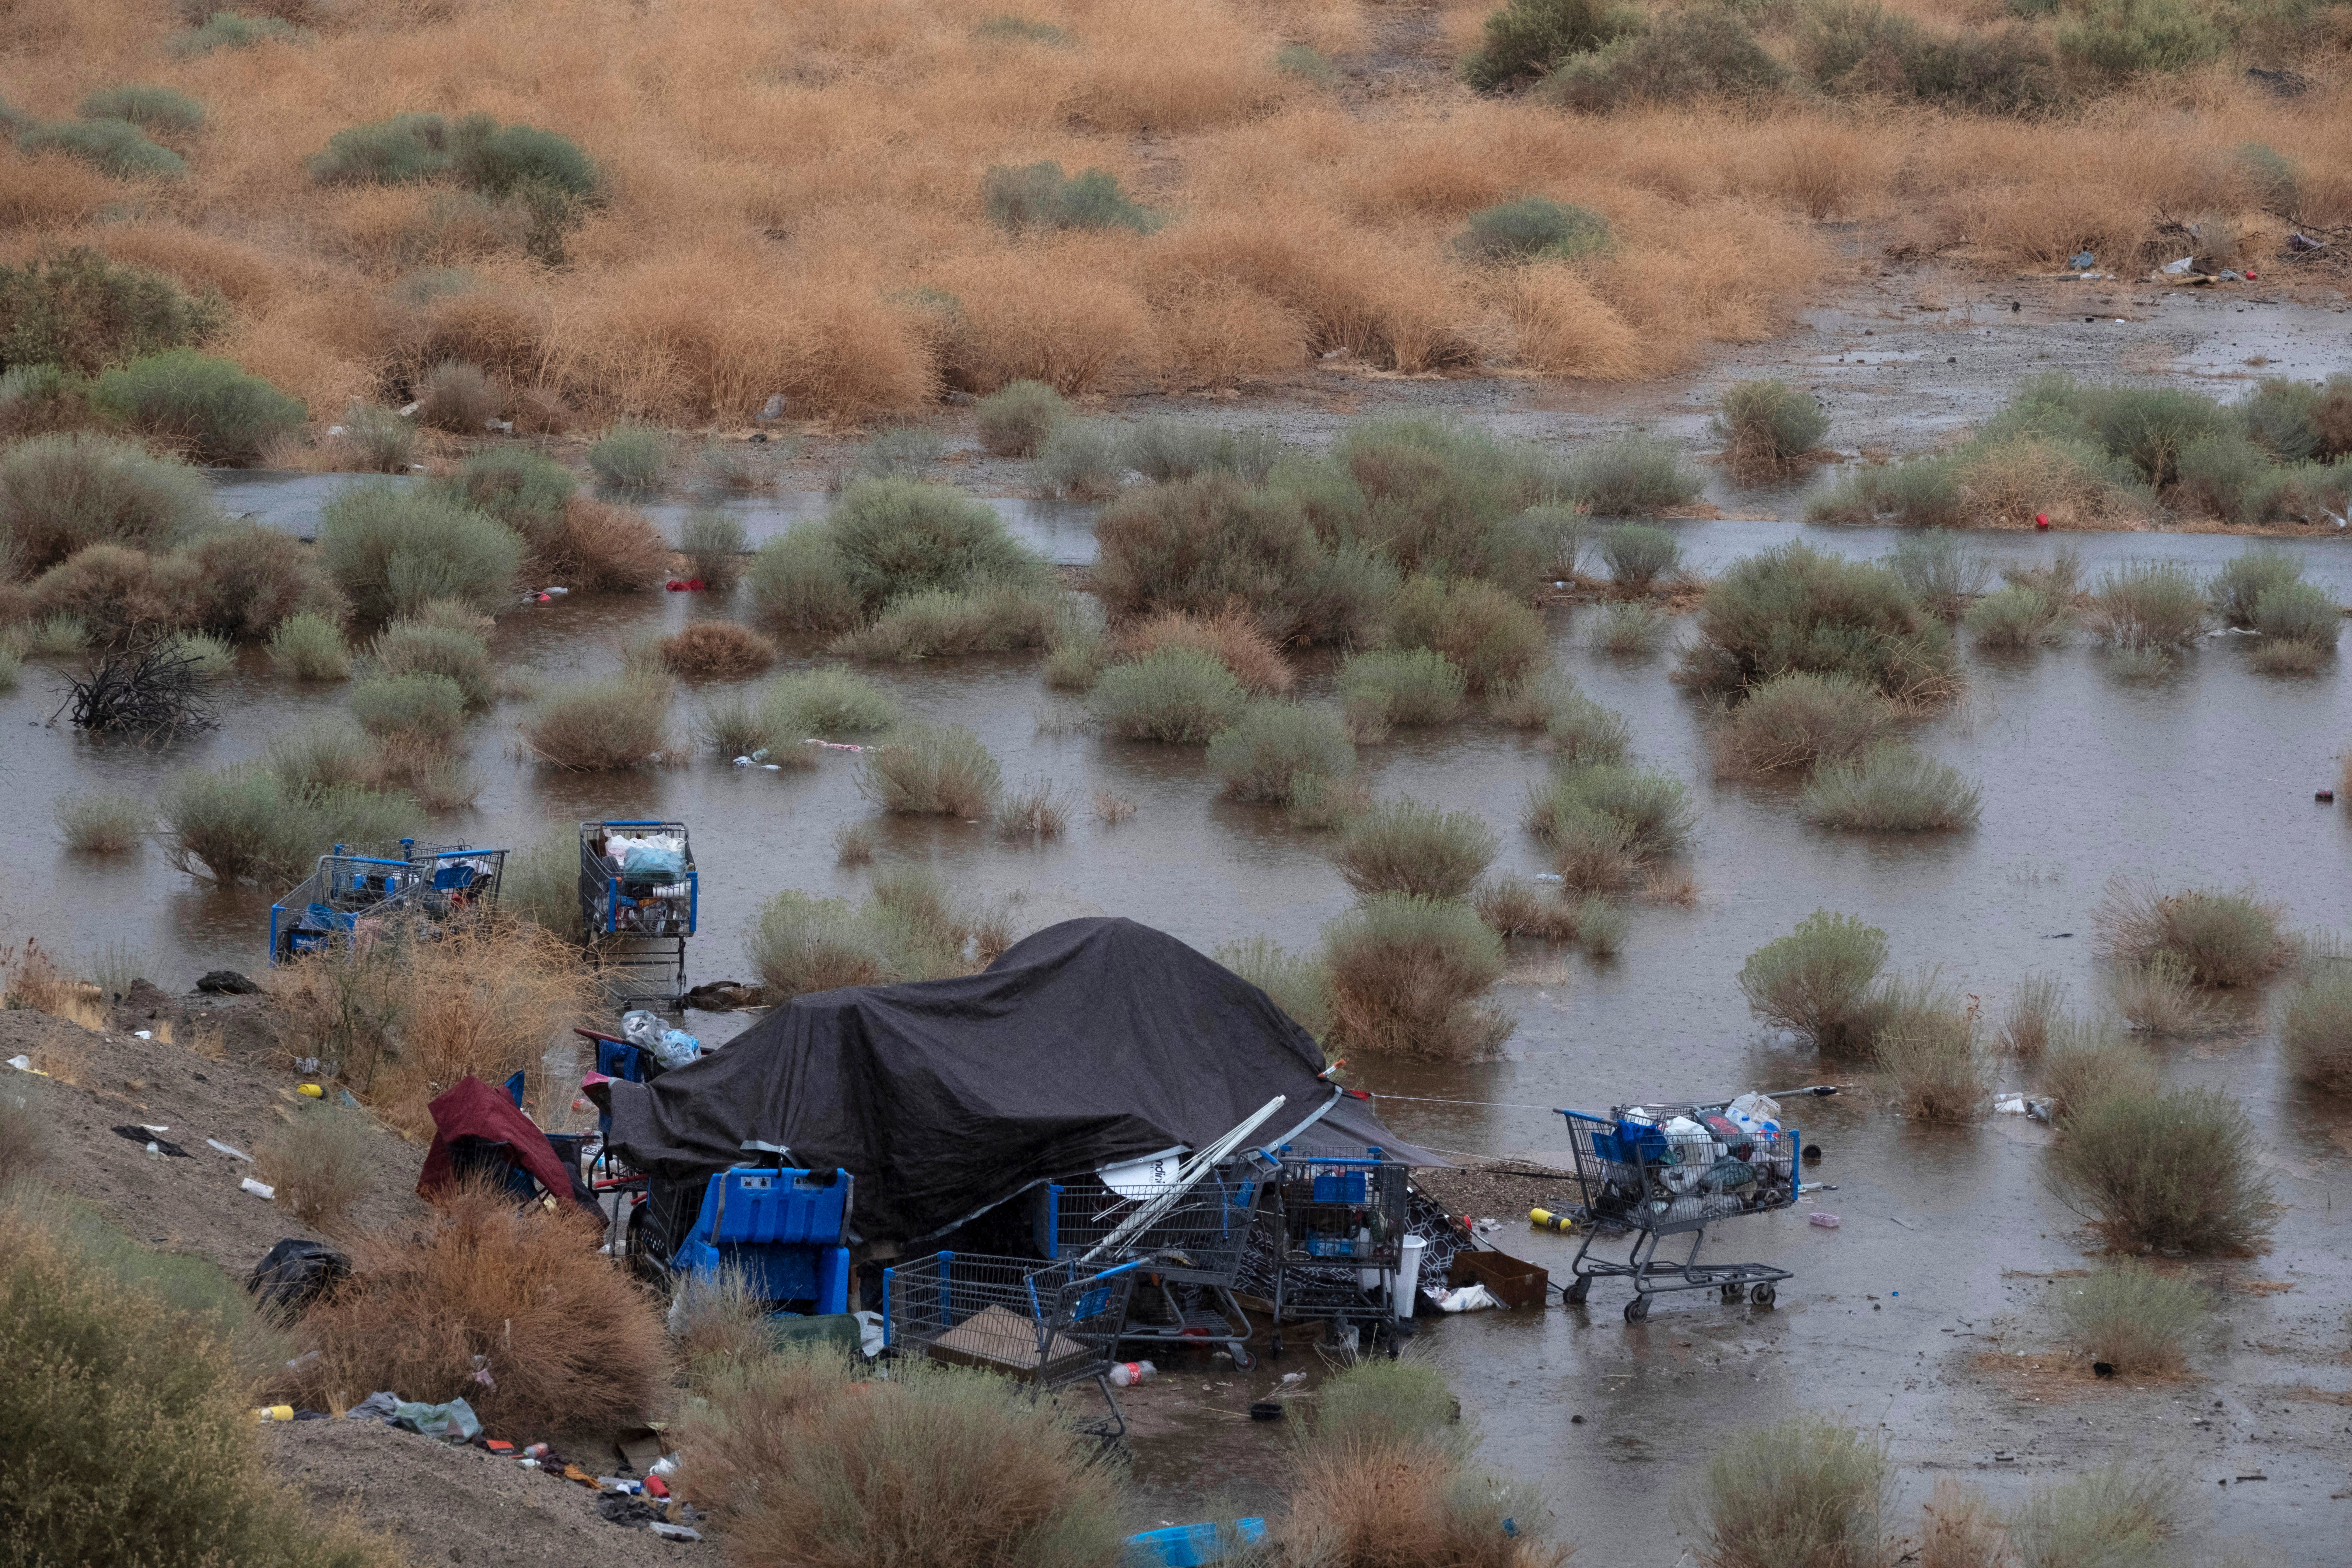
(2205, 776)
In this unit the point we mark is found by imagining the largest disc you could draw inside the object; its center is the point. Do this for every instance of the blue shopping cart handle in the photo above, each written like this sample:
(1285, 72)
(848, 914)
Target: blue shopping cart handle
(1115, 1273)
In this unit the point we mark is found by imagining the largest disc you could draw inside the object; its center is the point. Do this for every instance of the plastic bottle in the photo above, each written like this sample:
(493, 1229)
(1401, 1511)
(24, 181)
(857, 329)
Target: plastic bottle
(1544, 1219)
(1127, 1373)
(273, 1412)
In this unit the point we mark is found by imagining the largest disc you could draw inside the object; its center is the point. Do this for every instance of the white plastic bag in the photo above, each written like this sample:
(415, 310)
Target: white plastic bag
(1469, 1298)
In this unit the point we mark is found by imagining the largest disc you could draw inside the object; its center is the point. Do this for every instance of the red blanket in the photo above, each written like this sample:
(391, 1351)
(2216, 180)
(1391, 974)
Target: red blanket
(474, 1108)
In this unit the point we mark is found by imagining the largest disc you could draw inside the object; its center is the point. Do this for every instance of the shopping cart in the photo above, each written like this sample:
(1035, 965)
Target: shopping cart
(1048, 1325)
(1661, 1169)
(1191, 1250)
(1334, 1236)
(359, 891)
(640, 897)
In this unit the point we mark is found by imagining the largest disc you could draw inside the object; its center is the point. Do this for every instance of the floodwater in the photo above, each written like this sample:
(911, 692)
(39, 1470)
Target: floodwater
(2206, 776)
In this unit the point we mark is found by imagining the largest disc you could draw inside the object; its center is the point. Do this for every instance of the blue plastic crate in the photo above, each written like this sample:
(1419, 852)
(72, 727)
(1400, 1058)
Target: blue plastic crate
(1191, 1545)
(1341, 1187)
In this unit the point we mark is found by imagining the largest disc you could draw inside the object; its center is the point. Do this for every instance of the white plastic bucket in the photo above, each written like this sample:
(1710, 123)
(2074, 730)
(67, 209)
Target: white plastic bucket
(1408, 1277)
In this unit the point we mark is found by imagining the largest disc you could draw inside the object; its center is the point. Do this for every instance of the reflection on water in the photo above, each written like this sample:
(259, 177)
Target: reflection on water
(2206, 776)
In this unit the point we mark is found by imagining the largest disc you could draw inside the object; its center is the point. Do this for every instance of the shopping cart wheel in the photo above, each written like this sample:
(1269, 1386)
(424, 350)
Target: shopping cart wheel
(1763, 1295)
(1731, 1293)
(1576, 1293)
(1637, 1310)
(1243, 1360)
(1275, 1351)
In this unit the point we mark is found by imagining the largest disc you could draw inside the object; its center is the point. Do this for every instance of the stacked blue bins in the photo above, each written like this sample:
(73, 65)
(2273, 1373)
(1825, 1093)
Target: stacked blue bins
(787, 1230)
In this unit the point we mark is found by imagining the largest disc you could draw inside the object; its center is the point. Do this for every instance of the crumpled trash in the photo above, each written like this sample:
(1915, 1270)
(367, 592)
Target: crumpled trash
(1825, 1221)
(676, 1048)
(640, 1027)
(669, 1532)
(2300, 241)
(2082, 261)
(381, 1406)
(2175, 268)
(140, 1135)
(233, 1153)
(258, 1189)
(871, 1335)
(295, 1271)
(21, 1063)
(1469, 1298)
(454, 1420)
(2031, 1106)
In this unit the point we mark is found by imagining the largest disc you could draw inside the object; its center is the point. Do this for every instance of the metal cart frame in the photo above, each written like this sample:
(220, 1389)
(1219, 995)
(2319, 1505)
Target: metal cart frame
(1200, 1242)
(1338, 1213)
(638, 966)
(1050, 1325)
(1635, 1174)
(377, 883)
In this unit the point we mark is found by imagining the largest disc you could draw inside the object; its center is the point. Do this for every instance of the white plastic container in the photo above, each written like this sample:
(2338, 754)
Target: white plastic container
(1408, 1275)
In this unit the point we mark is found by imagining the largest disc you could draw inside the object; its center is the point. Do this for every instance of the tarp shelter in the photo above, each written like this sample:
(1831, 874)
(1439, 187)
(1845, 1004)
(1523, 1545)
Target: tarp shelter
(472, 1109)
(1093, 1041)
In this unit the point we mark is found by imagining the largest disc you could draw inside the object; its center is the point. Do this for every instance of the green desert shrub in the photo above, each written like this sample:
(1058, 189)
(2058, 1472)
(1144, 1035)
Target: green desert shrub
(1404, 847)
(1633, 475)
(1796, 721)
(228, 30)
(1921, 493)
(1039, 197)
(1806, 1491)
(1526, 39)
(713, 544)
(2223, 938)
(243, 580)
(1438, 497)
(475, 149)
(2123, 1513)
(1583, 733)
(2131, 1317)
(61, 493)
(145, 105)
(81, 312)
(1532, 228)
(1797, 608)
(2176, 1172)
(115, 147)
(323, 752)
(991, 617)
(2016, 618)
(609, 725)
(2316, 1030)
(2300, 612)
(425, 706)
(242, 824)
(205, 654)
(1080, 460)
(1817, 981)
(1164, 450)
(1015, 419)
(541, 884)
(1305, 64)
(1177, 694)
(799, 582)
(2151, 427)
(1272, 749)
(1638, 555)
(1630, 628)
(902, 452)
(412, 648)
(2117, 39)
(12, 663)
(310, 647)
(1941, 571)
(1681, 56)
(630, 457)
(1415, 686)
(1408, 976)
(2243, 579)
(1022, 29)
(102, 824)
(1768, 426)
(1893, 789)
(933, 770)
(1487, 632)
(373, 440)
(1651, 807)
(2282, 416)
(1201, 544)
(1297, 982)
(899, 536)
(2088, 1058)
(395, 549)
(2223, 474)
(209, 406)
(458, 396)
(525, 489)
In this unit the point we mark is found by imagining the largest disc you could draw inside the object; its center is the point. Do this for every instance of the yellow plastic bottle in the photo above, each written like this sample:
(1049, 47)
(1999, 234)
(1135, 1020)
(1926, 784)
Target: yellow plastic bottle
(1544, 1219)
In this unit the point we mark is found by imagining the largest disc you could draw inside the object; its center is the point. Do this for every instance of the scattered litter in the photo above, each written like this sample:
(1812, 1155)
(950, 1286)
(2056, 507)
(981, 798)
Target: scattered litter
(311, 1091)
(2082, 261)
(1544, 1219)
(378, 1407)
(1469, 1298)
(1487, 1227)
(833, 745)
(454, 1420)
(2300, 241)
(2324, 796)
(1904, 1224)
(258, 1189)
(408, 410)
(142, 1034)
(1127, 1373)
(2175, 268)
(23, 1064)
(1546, 877)
(684, 586)
(2035, 1107)
(1826, 1221)
(774, 407)
(657, 1487)
(273, 1412)
(669, 1532)
(145, 1137)
(1266, 1410)
(618, 1484)
(226, 983)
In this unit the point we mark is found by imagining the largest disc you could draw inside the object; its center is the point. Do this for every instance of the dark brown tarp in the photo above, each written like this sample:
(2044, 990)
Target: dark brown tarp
(1091, 1042)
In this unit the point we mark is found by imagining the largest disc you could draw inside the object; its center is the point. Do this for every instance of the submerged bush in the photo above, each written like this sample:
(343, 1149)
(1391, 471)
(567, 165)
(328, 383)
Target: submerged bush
(2299, 613)
(1418, 686)
(1630, 628)
(1768, 426)
(425, 707)
(1273, 748)
(1651, 807)
(416, 647)
(1795, 721)
(2316, 1030)
(830, 704)
(1805, 1491)
(2178, 1172)
(989, 618)
(1407, 974)
(1894, 789)
(601, 726)
(1491, 636)
(2243, 579)
(713, 542)
(394, 550)
(1796, 608)
(1015, 419)
(243, 824)
(1532, 228)
(2223, 938)
(1638, 555)
(1926, 1040)
(798, 582)
(630, 457)
(1297, 982)
(1633, 475)
(60, 493)
(717, 649)
(1403, 846)
(1080, 460)
(1233, 639)
(2016, 618)
(899, 536)
(935, 770)
(2086, 1060)
(1943, 573)
(309, 647)
(1178, 695)
(525, 489)
(2131, 1317)
(1816, 979)
(1164, 450)
(102, 824)
(214, 410)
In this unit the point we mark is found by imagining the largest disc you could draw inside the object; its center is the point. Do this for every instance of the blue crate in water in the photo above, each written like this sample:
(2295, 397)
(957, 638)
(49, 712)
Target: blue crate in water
(1191, 1545)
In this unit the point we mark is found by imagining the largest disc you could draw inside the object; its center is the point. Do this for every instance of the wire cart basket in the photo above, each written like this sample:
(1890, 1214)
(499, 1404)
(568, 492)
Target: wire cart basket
(357, 891)
(1191, 1252)
(1049, 1325)
(1334, 1236)
(639, 899)
(1662, 1170)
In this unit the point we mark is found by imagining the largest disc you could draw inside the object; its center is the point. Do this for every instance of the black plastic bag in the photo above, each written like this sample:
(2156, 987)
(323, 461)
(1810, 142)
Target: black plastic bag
(296, 1272)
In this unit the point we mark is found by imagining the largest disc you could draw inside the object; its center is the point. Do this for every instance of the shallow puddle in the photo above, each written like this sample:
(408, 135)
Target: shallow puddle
(2206, 776)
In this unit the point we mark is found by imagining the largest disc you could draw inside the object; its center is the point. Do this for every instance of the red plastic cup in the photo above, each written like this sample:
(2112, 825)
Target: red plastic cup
(2042, 522)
